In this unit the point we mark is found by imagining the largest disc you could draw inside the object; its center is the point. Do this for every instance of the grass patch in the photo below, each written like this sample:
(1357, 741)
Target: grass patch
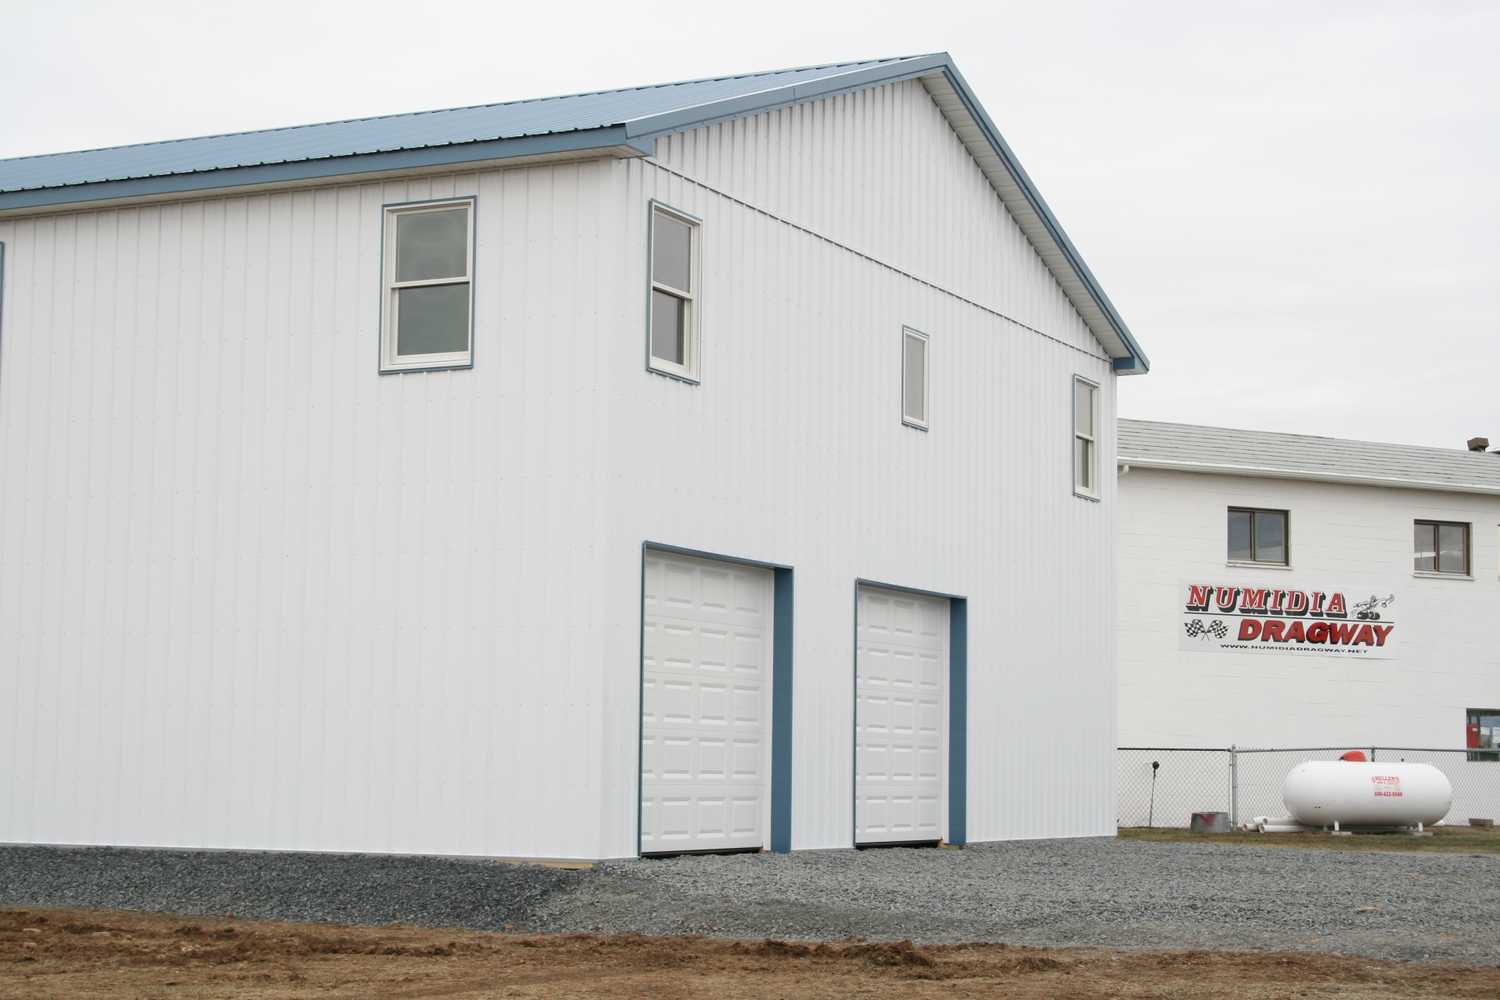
(1444, 840)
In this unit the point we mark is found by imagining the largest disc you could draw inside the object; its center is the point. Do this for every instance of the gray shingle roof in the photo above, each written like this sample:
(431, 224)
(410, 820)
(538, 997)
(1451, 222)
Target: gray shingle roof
(1220, 450)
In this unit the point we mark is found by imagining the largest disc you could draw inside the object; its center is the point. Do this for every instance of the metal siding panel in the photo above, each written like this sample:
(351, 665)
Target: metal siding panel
(257, 596)
(798, 457)
(921, 203)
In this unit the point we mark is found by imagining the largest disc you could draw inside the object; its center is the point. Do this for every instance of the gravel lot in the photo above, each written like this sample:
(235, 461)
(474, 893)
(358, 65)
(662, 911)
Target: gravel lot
(1421, 907)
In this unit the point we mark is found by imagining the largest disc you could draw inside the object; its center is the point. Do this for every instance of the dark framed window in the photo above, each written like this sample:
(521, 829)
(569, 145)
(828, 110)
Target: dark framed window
(1482, 733)
(1440, 547)
(1259, 536)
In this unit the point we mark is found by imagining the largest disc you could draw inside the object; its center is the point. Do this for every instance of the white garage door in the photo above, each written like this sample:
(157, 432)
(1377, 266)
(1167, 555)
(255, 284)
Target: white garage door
(706, 690)
(900, 720)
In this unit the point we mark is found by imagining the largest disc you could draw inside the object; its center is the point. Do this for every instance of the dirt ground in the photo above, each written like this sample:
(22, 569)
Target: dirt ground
(91, 953)
(1444, 839)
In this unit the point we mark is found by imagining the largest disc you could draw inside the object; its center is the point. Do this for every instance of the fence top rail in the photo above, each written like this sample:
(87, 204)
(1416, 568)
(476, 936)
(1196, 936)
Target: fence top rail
(1441, 749)
(1341, 748)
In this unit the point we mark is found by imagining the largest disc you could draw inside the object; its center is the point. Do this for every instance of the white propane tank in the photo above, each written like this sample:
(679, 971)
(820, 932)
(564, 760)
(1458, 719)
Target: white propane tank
(1360, 793)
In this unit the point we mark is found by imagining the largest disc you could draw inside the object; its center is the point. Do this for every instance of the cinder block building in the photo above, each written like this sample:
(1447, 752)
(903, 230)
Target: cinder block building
(1301, 591)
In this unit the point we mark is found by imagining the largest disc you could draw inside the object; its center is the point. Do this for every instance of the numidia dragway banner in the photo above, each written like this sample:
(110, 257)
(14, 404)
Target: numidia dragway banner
(1321, 621)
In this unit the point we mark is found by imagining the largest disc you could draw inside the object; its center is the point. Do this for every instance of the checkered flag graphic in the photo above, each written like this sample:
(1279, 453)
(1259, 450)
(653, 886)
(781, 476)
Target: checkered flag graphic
(1197, 629)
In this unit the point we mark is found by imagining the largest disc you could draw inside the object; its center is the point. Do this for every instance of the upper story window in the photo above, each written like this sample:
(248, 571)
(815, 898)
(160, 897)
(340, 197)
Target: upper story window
(914, 378)
(1440, 547)
(1085, 437)
(1258, 536)
(426, 315)
(673, 319)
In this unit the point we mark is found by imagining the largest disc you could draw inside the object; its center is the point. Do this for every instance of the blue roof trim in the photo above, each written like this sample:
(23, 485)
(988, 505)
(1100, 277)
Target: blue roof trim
(1138, 360)
(630, 119)
(333, 166)
(736, 107)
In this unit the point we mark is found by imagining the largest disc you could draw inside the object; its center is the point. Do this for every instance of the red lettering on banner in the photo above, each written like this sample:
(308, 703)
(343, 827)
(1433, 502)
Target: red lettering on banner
(1252, 599)
(1366, 636)
(1295, 632)
(1318, 598)
(1273, 631)
(1336, 608)
(1249, 629)
(1197, 597)
(1341, 632)
(1381, 631)
(1317, 632)
(1296, 603)
(1277, 596)
(1227, 598)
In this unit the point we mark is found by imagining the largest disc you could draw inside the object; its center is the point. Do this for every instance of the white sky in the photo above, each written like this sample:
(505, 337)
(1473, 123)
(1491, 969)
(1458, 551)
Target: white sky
(1294, 205)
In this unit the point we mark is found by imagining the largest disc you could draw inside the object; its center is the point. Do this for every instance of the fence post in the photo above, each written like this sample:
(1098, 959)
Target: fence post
(1234, 787)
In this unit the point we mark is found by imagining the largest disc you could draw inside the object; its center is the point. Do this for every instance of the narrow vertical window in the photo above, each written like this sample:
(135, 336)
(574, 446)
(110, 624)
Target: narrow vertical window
(427, 311)
(914, 382)
(672, 346)
(1085, 438)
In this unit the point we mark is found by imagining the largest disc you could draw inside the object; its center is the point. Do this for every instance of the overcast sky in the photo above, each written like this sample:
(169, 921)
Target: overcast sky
(1296, 207)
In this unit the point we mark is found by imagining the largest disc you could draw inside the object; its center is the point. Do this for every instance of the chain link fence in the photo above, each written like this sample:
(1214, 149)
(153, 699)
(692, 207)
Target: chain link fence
(1164, 786)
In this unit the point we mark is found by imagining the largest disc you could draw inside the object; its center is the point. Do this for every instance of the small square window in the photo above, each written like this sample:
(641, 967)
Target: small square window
(426, 314)
(1258, 536)
(1085, 437)
(914, 378)
(1440, 547)
(672, 326)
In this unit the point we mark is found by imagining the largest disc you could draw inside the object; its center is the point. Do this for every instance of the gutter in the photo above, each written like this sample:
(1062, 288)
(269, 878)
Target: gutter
(1207, 468)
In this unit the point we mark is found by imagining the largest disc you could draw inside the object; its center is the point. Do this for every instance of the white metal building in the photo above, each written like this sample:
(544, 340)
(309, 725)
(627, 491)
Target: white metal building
(703, 466)
(1301, 591)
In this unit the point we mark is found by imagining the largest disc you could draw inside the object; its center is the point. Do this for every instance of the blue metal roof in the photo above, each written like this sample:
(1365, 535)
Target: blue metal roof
(419, 130)
(625, 120)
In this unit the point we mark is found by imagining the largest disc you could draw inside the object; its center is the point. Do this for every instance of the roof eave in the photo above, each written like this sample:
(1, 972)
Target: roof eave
(611, 141)
(1303, 475)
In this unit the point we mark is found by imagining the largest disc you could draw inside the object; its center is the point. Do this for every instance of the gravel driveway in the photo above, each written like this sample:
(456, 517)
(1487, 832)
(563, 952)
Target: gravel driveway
(1421, 907)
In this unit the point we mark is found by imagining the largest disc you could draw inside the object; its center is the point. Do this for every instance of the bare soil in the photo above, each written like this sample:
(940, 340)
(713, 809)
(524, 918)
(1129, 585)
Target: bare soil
(1444, 839)
(93, 953)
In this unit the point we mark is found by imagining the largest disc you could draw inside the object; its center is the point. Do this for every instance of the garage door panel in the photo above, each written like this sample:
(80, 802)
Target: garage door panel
(706, 689)
(901, 713)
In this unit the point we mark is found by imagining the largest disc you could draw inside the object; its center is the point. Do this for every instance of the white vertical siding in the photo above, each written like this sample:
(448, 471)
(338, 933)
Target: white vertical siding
(253, 594)
(881, 171)
(792, 451)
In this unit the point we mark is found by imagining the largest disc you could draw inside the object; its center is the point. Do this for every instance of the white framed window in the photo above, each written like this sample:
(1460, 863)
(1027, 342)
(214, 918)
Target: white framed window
(914, 378)
(1260, 536)
(1441, 547)
(1085, 437)
(672, 315)
(427, 306)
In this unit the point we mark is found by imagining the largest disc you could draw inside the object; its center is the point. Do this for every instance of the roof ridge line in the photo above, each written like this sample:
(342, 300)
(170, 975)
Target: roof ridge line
(461, 107)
